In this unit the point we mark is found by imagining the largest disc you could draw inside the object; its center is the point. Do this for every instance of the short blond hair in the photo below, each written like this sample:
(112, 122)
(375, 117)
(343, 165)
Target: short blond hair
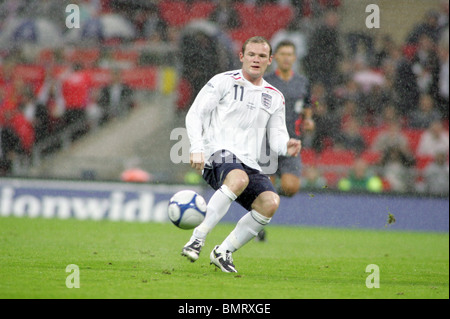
(256, 39)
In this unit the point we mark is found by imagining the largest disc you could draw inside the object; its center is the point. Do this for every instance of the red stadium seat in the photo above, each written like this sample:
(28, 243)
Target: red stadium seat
(173, 12)
(201, 9)
(369, 134)
(330, 157)
(264, 21)
(308, 156)
(273, 18)
(240, 35)
(371, 157)
(86, 57)
(31, 74)
(413, 136)
(246, 14)
(423, 161)
(126, 56)
(178, 13)
(144, 78)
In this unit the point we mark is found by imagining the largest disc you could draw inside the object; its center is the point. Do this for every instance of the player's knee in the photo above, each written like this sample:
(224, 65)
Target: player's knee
(237, 181)
(290, 190)
(272, 203)
(267, 204)
(290, 186)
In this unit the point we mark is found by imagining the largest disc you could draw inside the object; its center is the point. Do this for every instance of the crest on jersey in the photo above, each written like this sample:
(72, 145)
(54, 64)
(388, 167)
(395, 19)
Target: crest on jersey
(266, 100)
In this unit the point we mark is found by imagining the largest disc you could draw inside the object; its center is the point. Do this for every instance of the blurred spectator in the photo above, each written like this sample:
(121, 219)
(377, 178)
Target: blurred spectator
(52, 10)
(384, 47)
(324, 51)
(116, 99)
(443, 15)
(425, 114)
(348, 91)
(405, 86)
(76, 92)
(94, 112)
(17, 132)
(350, 138)
(5, 165)
(360, 46)
(295, 35)
(50, 95)
(391, 137)
(327, 126)
(318, 92)
(23, 134)
(17, 135)
(149, 24)
(349, 111)
(426, 66)
(389, 114)
(436, 175)
(389, 66)
(429, 27)
(7, 142)
(7, 78)
(314, 9)
(373, 103)
(443, 100)
(225, 15)
(35, 113)
(366, 77)
(199, 64)
(396, 166)
(434, 140)
(312, 179)
(360, 178)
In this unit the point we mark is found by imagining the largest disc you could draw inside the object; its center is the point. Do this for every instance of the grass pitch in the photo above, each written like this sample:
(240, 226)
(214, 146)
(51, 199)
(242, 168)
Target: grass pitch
(137, 260)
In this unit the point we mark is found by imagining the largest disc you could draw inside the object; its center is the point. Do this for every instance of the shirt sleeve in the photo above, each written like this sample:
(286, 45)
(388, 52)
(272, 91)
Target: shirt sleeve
(206, 101)
(277, 131)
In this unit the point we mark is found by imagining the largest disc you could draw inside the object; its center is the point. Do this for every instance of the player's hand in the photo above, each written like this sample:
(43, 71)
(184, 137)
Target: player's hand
(197, 161)
(293, 147)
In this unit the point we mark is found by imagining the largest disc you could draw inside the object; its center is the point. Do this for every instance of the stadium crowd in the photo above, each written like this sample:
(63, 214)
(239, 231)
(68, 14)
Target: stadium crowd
(380, 108)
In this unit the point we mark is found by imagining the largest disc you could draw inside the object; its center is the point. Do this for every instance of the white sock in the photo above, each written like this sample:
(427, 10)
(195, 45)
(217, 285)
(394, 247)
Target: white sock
(217, 207)
(246, 229)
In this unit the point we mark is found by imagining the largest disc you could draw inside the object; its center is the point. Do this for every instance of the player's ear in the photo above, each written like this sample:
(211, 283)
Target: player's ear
(270, 60)
(241, 56)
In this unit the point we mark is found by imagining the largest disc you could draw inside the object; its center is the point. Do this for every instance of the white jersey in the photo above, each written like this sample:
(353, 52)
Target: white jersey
(231, 113)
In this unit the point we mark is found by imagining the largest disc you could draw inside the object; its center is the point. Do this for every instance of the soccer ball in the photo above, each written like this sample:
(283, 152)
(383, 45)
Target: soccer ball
(187, 209)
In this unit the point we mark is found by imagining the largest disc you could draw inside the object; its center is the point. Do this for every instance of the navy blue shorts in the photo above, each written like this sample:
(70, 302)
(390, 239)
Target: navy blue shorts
(223, 162)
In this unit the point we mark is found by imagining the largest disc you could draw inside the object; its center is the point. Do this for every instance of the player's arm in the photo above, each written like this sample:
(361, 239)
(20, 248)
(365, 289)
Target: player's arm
(279, 137)
(206, 100)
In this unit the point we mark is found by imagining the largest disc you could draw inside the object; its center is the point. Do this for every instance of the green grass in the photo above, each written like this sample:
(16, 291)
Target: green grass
(137, 260)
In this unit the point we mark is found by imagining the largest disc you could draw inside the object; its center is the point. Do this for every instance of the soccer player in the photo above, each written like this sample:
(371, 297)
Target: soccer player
(226, 126)
(296, 91)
